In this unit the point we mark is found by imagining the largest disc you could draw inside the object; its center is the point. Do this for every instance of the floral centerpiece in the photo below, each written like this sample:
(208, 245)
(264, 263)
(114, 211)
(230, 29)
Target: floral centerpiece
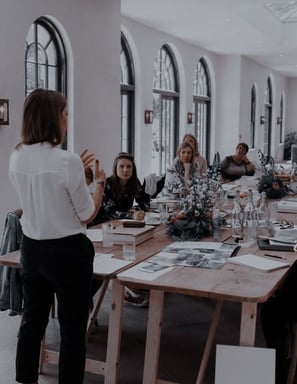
(194, 220)
(269, 182)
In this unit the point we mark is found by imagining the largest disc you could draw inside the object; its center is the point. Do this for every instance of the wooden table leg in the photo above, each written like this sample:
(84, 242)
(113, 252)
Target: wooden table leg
(209, 342)
(114, 333)
(153, 336)
(97, 306)
(248, 324)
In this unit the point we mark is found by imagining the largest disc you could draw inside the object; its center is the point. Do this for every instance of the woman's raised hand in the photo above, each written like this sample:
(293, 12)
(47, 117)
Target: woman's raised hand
(138, 215)
(87, 158)
(99, 174)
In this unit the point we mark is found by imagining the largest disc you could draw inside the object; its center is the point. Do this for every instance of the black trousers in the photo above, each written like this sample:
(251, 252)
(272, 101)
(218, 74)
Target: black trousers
(63, 267)
(277, 315)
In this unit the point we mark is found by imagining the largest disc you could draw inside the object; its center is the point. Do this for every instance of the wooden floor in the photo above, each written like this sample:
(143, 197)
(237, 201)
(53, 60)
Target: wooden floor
(185, 327)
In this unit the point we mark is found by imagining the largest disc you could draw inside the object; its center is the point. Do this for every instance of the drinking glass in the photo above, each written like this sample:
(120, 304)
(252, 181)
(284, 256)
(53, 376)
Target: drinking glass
(107, 235)
(129, 252)
(163, 212)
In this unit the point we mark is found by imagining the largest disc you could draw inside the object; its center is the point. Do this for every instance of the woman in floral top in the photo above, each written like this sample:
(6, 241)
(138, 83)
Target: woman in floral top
(120, 191)
(184, 170)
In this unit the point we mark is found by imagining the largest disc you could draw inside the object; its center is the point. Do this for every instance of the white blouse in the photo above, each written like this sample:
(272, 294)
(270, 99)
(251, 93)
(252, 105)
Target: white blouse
(53, 193)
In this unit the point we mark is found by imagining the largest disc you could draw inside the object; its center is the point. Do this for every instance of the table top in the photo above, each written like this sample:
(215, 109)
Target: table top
(231, 282)
(12, 259)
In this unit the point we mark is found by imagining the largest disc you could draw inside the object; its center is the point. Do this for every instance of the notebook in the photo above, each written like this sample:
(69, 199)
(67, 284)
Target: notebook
(266, 245)
(258, 262)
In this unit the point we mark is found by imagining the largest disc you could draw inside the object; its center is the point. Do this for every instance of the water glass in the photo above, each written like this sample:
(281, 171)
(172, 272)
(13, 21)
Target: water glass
(107, 235)
(129, 252)
(163, 212)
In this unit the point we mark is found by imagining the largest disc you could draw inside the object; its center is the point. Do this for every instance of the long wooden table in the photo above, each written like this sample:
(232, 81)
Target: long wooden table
(231, 283)
(95, 366)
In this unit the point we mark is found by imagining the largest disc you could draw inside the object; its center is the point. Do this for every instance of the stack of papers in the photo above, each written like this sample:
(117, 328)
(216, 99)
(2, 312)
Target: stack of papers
(287, 205)
(285, 236)
(122, 234)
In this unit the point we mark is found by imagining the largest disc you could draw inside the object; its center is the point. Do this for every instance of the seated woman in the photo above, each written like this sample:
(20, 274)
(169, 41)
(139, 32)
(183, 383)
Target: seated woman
(182, 173)
(199, 159)
(120, 191)
(233, 167)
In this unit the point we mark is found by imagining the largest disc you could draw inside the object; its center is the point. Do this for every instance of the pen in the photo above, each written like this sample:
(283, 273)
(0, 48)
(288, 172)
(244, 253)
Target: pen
(227, 238)
(275, 256)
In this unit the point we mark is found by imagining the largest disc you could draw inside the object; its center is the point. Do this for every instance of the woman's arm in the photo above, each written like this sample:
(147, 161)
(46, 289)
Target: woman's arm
(100, 177)
(142, 199)
(250, 167)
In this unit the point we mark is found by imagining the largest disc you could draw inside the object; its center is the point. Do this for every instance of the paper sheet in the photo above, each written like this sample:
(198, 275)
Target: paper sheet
(105, 264)
(95, 234)
(146, 271)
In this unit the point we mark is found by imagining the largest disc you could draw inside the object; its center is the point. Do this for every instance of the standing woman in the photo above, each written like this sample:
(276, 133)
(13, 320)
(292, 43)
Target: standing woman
(181, 174)
(56, 255)
(121, 189)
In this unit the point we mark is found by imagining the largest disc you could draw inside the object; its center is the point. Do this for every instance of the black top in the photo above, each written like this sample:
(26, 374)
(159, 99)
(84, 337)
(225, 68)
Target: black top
(116, 205)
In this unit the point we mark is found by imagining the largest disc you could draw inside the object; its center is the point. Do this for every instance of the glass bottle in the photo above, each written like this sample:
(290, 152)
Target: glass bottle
(263, 212)
(250, 217)
(237, 216)
(294, 172)
(216, 223)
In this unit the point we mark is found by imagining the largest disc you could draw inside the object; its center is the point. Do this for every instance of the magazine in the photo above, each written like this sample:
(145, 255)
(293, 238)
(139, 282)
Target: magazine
(196, 254)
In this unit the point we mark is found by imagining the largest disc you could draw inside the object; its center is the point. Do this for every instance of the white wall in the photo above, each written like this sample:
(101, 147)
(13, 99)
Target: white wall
(291, 112)
(93, 30)
(227, 104)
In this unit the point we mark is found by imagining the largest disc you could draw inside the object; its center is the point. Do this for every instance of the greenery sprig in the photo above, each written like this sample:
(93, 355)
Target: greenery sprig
(269, 182)
(194, 220)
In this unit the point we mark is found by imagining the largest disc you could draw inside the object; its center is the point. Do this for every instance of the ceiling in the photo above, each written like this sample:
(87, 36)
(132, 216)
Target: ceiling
(264, 30)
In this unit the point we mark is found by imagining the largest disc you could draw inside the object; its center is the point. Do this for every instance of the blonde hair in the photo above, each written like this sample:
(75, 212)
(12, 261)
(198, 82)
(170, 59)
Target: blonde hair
(195, 149)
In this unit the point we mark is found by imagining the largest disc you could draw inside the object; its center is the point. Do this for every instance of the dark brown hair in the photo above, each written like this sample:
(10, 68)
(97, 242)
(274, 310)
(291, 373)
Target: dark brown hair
(42, 117)
(244, 145)
(132, 184)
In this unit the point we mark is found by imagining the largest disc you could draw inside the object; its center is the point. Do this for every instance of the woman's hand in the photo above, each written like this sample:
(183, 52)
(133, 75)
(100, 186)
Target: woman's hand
(87, 158)
(138, 215)
(187, 167)
(99, 174)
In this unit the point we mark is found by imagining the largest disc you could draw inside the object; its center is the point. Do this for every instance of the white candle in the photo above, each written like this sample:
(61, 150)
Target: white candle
(1, 112)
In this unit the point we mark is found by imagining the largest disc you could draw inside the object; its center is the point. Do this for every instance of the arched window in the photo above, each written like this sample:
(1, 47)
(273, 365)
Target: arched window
(201, 107)
(127, 98)
(165, 111)
(45, 58)
(253, 118)
(268, 117)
